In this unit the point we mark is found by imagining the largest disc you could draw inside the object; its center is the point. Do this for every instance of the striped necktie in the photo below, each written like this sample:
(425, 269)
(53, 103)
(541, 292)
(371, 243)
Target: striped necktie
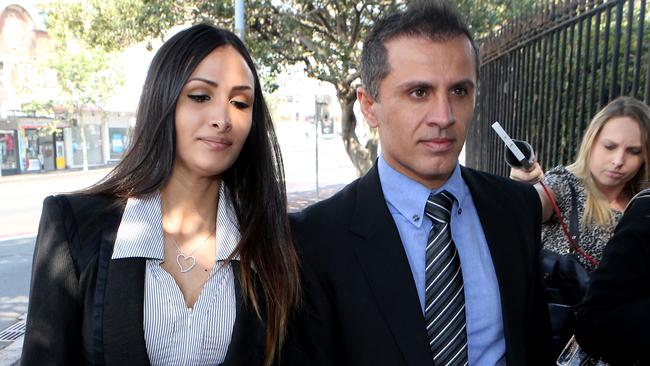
(444, 297)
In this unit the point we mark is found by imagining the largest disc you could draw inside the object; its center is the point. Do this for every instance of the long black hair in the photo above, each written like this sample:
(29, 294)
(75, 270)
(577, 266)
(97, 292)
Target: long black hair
(255, 180)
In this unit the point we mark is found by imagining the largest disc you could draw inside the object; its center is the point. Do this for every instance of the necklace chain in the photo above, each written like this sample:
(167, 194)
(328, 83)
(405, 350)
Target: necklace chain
(186, 262)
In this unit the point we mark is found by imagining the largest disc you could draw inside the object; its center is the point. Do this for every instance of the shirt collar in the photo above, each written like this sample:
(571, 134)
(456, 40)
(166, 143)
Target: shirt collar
(140, 234)
(409, 197)
(456, 186)
(227, 227)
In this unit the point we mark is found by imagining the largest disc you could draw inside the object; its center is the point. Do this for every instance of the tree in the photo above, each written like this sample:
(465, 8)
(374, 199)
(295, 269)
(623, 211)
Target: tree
(85, 75)
(486, 16)
(323, 35)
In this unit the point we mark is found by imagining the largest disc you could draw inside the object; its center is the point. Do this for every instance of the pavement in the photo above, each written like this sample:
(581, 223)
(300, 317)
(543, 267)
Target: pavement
(22, 196)
(10, 355)
(297, 201)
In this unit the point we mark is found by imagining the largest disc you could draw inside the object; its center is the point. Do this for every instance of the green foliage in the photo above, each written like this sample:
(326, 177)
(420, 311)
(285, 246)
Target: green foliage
(485, 16)
(558, 81)
(324, 36)
(38, 109)
(84, 76)
(42, 109)
(85, 73)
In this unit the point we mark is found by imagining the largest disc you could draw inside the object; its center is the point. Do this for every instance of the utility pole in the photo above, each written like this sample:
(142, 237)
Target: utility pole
(240, 26)
(322, 103)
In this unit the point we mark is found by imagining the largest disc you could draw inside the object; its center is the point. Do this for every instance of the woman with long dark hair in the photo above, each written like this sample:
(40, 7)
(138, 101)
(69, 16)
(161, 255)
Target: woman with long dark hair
(182, 254)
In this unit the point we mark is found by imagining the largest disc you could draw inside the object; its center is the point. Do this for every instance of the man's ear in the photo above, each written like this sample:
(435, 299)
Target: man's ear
(367, 102)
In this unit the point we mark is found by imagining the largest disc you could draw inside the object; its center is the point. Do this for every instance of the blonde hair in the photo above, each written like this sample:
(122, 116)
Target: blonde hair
(597, 209)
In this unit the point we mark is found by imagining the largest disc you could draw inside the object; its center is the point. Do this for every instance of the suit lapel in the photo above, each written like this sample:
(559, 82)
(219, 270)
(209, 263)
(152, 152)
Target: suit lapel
(124, 342)
(383, 260)
(248, 330)
(502, 238)
(118, 314)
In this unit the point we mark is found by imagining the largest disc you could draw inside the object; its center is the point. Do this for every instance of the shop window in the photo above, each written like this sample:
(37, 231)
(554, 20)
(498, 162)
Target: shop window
(8, 150)
(118, 142)
(32, 149)
(31, 135)
(93, 144)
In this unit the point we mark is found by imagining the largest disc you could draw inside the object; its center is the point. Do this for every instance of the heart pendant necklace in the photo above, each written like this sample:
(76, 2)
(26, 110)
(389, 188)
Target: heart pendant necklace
(186, 262)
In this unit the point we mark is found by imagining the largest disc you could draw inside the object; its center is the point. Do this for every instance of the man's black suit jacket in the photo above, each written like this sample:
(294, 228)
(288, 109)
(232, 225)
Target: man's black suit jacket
(360, 303)
(86, 309)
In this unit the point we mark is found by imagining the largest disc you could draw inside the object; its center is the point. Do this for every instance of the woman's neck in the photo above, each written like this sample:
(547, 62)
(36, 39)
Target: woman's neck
(617, 197)
(189, 205)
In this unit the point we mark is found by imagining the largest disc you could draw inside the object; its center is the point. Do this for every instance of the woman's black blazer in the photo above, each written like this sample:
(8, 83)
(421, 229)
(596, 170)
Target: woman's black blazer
(86, 309)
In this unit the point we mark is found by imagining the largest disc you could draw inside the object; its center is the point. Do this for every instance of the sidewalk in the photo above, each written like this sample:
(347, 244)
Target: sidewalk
(48, 174)
(10, 355)
(299, 200)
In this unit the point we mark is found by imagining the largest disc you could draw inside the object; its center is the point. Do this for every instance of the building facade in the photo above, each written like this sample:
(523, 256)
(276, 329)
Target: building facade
(30, 142)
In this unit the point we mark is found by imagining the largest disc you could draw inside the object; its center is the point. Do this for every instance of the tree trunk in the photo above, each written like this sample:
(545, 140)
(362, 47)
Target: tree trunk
(82, 134)
(362, 157)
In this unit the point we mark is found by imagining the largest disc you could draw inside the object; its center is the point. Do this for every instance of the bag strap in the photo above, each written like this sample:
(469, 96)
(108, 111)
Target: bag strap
(574, 220)
(570, 238)
(643, 194)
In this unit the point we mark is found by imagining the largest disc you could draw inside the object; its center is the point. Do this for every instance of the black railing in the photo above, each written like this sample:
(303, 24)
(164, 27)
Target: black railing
(544, 76)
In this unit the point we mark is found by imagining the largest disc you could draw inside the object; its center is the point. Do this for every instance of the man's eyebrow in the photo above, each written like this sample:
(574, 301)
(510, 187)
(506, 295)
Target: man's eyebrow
(413, 84)
(419, 84)
(465, 82)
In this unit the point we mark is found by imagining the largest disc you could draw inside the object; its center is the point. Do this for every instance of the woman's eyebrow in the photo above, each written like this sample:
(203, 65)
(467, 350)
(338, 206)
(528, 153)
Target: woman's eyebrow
(207, 81)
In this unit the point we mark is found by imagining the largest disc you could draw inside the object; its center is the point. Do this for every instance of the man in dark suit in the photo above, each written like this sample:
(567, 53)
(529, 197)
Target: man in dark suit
(421, 261)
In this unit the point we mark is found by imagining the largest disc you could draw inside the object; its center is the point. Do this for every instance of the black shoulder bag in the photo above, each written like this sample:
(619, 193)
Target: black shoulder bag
(565, 279)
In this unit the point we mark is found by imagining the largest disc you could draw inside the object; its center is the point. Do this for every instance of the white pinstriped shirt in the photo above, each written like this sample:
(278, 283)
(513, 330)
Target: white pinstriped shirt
(175, 334)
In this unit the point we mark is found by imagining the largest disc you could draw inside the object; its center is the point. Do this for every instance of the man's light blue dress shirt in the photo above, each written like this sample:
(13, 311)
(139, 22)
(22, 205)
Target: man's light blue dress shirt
(406, 199)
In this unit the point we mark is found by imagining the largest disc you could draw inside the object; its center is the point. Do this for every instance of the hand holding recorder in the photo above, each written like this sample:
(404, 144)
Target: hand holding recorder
(533, 175)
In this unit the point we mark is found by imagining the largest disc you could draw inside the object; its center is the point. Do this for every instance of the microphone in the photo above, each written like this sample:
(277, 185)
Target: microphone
(520, 154)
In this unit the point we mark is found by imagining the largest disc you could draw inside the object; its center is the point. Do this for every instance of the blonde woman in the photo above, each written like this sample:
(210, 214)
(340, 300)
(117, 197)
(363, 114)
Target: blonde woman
(610, 169)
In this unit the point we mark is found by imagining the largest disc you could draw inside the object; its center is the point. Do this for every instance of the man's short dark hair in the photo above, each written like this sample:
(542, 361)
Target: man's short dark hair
(433, 19)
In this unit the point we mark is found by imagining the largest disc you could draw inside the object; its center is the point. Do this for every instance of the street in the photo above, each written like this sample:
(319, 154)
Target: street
(15, 265)
(22, 197)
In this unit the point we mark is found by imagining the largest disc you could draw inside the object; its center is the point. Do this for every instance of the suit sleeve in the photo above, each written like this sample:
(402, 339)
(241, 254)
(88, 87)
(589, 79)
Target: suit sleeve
(541, 338)
(53, 330)
(613, 320)
(311, 334)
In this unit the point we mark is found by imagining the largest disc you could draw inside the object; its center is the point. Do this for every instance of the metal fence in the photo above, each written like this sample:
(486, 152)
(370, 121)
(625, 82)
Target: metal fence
(544, 76)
